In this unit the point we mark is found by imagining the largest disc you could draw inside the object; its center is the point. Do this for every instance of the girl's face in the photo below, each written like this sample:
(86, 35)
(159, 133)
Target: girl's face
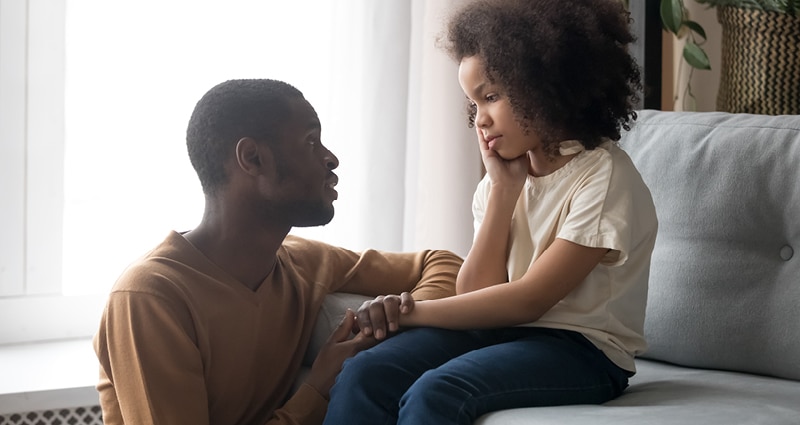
(494, 116)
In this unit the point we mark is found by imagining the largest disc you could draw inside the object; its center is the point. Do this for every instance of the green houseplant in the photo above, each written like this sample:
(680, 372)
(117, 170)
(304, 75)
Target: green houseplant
(675, 20)
(760, 71)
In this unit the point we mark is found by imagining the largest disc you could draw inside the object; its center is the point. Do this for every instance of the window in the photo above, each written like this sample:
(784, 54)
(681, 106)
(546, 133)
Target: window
(94, 101)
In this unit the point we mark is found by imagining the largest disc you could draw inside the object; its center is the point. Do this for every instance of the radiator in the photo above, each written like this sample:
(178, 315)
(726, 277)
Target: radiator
(91, 415)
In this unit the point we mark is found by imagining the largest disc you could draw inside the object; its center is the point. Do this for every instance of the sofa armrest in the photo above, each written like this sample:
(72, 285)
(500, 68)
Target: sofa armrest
(330, 315)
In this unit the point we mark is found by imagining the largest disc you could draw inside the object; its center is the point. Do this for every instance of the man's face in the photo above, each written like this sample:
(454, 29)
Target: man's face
(303, 192)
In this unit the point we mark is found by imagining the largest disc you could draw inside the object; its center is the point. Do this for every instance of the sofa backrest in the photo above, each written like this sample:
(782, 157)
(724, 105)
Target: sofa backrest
(725, 275)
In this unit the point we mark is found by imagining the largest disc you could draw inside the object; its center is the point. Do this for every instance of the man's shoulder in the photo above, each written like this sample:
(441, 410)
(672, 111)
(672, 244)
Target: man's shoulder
(310, 258)
(148, 274)
(156, 269)
(303, 247)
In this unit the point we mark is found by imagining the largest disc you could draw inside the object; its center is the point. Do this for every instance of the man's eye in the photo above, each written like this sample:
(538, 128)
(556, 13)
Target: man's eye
(313, 142)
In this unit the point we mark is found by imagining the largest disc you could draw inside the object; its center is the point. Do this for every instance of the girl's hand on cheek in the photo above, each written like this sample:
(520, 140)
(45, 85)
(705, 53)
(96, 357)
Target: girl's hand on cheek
(510, 174)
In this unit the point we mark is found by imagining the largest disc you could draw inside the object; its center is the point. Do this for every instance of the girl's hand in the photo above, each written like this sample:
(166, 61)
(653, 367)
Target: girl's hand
(509, 174)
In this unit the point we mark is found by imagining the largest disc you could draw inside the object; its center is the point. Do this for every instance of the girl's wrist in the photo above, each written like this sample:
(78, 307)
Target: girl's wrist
(504, 193)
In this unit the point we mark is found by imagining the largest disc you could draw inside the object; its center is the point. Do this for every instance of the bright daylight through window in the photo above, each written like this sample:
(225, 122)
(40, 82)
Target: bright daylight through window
(134, 72)
(120, 79)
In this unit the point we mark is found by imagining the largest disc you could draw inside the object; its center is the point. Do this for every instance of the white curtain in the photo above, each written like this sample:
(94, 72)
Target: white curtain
(442, 160)
(418, 164)
(388, 98)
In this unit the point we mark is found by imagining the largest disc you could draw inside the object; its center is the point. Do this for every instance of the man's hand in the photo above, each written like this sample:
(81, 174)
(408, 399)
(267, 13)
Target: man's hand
(381, 316)
(329, 361)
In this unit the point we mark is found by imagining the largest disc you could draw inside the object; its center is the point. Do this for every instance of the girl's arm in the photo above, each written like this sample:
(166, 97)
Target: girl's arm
(485, 264)
(559, 270)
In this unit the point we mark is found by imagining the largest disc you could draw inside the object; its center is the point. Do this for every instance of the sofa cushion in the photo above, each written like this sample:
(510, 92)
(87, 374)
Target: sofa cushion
(725, 273)
(673, 395)
(330, 315)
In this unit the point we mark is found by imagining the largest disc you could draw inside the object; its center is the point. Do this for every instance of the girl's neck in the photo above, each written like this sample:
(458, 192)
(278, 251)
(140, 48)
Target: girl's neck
(542, 164)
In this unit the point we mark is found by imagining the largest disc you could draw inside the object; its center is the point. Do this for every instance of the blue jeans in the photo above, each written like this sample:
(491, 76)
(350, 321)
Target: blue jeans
(439, 376)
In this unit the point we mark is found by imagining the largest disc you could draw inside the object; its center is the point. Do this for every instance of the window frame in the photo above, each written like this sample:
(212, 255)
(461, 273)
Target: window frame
(32, 120)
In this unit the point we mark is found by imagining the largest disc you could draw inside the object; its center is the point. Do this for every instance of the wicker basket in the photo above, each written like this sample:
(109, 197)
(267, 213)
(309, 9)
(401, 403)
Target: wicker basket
(760, 71)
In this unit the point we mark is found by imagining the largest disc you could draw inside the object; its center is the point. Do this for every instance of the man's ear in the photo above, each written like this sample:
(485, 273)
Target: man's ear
(253, 158)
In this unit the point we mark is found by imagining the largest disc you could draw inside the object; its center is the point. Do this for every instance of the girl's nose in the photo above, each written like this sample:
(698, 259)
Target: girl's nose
(482, 119)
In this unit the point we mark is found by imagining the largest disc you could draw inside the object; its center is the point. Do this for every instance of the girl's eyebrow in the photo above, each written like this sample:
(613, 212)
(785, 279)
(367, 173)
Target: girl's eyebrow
(479, 88)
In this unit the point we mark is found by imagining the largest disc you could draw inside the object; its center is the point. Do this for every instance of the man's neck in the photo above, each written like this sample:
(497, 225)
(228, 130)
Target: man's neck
(248, 253)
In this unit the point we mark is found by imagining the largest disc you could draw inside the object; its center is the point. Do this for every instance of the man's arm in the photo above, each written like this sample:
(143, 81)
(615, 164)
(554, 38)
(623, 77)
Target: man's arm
(426, 275)
(151, 370)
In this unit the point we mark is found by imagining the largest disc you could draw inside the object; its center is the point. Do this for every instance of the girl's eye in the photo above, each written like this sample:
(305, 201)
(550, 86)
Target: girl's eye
(492, 97)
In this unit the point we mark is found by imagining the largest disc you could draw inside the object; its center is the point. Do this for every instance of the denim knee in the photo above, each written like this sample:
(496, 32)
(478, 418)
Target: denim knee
(359, 370)
(437, 395)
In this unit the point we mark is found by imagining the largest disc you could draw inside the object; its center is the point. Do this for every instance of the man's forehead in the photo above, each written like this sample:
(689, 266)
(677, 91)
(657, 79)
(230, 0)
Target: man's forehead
(304, 115)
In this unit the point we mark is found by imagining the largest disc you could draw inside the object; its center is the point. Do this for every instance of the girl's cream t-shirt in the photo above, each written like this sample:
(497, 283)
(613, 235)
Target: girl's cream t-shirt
(599, 200)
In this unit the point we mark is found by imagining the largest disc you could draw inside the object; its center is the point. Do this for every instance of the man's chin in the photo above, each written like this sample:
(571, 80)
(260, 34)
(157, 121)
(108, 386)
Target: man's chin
(314, 217)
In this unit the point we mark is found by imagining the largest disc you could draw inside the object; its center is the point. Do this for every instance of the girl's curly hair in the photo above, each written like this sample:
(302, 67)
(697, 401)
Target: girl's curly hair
(564, 64)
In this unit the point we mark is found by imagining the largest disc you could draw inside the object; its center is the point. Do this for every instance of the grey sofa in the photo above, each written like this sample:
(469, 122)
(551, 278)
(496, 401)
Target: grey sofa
(723, 313)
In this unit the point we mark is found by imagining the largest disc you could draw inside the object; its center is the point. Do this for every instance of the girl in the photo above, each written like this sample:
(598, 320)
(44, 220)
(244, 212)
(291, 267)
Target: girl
(551, 298)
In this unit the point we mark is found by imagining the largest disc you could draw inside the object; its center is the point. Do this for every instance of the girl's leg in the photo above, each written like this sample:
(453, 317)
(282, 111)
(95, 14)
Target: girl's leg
(370, 385)
(536, 367)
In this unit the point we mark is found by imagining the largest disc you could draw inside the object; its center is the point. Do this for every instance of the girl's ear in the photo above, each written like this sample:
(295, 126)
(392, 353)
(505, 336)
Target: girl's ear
(252, 157)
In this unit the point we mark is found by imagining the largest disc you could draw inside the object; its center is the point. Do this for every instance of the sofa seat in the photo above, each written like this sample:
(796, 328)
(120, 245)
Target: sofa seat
(667, 394)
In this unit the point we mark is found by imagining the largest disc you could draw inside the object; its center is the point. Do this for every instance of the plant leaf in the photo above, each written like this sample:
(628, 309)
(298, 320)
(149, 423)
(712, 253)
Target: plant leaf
(695, 56)
(694, 26)
(672, 15)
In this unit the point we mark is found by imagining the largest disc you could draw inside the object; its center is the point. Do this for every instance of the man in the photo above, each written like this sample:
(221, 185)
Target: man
(210, 327)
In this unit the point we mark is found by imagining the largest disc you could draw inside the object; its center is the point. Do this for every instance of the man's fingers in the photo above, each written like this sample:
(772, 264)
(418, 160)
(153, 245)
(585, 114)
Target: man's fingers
(377, 317)
(391, 307)
(406, 303)
(363, 318)
(362, 342)
(381, 316)
(342, 332)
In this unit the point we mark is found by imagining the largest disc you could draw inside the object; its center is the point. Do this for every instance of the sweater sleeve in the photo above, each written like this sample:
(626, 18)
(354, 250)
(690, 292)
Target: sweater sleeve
(427, 274)
(151, 371)
(438, 276)
(305, 407)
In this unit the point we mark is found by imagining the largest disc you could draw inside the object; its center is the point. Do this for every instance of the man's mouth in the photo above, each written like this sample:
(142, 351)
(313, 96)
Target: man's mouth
(332, 181)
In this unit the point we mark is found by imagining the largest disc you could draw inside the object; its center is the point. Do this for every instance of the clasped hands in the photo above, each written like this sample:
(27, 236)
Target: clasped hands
(380, 317)
(374, 321)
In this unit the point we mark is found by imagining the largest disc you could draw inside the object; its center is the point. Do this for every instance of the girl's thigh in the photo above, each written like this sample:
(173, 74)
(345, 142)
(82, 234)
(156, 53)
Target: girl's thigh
(415, 351)
(527, 367)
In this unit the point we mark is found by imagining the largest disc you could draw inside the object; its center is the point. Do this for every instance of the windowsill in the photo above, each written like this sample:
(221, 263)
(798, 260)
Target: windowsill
(47, 375)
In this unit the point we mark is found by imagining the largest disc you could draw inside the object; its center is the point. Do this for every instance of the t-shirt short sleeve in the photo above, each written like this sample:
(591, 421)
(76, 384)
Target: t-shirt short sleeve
(599, 212)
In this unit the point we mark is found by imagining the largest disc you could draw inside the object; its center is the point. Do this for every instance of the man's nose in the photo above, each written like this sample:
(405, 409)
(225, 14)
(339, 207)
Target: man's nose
(331, 161)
